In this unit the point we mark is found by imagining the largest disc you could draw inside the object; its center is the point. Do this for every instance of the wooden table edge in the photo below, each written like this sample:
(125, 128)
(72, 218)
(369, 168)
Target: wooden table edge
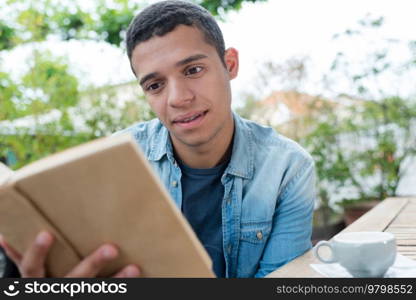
(377, 219)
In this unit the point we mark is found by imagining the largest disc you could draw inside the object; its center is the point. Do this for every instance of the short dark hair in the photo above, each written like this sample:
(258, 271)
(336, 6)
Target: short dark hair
(163, 17)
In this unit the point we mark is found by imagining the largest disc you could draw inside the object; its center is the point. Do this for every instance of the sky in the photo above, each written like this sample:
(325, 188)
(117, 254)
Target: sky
(275, 31)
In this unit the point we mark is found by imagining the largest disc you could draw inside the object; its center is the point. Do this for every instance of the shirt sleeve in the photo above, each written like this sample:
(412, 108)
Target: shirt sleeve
(291, 231)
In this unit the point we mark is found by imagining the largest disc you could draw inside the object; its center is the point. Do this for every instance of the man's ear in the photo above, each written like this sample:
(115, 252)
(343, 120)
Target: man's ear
(231, 62)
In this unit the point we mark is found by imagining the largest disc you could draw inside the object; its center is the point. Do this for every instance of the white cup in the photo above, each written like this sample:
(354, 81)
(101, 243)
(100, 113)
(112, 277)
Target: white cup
(363, 254)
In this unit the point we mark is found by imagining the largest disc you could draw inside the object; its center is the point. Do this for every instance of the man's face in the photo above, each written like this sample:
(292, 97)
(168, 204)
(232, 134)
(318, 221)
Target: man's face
(187, 85)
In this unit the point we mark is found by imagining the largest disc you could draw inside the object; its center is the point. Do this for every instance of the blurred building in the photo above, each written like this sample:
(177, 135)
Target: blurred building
(290, 111)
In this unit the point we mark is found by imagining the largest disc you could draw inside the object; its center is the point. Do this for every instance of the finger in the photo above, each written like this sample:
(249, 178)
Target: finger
(93, 263)
(12, 253)
(128, 271)
(33, 261)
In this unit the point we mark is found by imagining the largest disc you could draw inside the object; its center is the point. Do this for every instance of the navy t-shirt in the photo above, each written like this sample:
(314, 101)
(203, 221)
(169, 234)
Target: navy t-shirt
(202, 193)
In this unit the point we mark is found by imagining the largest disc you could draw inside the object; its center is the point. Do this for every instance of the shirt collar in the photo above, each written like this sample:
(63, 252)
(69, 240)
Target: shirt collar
(161, 144)
(242, 157)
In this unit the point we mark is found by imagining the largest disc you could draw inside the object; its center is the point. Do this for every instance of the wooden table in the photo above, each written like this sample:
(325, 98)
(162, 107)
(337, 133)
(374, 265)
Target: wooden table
(395, 215)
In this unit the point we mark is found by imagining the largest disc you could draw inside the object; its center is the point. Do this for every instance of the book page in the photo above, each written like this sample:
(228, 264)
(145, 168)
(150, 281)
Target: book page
(20, 222)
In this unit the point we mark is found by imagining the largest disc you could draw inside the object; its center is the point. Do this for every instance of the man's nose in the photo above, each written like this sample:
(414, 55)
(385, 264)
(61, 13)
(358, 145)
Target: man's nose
(179, 93)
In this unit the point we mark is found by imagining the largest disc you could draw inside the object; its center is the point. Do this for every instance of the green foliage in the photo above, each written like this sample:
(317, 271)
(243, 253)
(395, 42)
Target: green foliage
(8, 93)
(29, 147)
(107, 20)
(366, 148)
(50, 75)
(7, 37)
(39, 20)
(36, 23)
(113, 22)
(71, 25)
(99, 115)
(103, 114)
(216, 7)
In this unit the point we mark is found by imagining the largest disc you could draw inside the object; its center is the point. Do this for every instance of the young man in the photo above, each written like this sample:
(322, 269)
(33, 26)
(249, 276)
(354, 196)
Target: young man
(247, 192)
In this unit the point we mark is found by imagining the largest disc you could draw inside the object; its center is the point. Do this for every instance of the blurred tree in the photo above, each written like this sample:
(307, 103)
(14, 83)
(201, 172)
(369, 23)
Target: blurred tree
(364, 143)
(104, 20)
(49, 84)
(7, 36)
(99, 114)
(363, 140)
(8, 93)
(36, 24)
(218, 7)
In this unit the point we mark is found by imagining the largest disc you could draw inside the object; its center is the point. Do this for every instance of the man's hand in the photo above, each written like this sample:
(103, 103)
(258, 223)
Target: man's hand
(32, 262)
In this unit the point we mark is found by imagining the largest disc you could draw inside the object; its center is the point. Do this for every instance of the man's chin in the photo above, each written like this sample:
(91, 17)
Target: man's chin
(191, 141)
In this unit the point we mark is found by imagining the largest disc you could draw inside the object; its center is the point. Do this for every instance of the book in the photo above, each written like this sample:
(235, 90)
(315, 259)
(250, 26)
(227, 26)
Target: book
(101, 191)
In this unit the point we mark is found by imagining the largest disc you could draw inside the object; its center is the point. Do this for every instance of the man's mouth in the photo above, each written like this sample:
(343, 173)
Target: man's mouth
(190, 119)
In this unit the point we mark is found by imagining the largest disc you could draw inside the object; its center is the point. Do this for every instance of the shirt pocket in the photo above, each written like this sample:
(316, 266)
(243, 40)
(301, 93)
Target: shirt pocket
(255, 233)
(253, 238)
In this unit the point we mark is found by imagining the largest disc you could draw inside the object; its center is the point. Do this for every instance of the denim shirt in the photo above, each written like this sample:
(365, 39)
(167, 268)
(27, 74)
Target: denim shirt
(269, 194)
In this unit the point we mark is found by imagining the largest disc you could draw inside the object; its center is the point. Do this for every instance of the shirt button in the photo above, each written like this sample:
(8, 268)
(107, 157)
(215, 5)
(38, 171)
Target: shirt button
(228, 201)
(259, 235)
(174, 183)
(229, 249)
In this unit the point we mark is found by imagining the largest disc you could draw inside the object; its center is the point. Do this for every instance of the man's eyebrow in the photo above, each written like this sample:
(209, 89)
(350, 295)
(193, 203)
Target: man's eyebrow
(148, 77)
(178, 64)
(190, 59)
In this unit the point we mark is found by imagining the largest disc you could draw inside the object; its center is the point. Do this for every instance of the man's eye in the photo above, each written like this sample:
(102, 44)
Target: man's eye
(153, 86)
(193, 70)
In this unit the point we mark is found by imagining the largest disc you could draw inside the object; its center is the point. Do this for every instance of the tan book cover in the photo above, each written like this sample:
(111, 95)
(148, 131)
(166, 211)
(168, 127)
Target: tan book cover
(98, 192)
